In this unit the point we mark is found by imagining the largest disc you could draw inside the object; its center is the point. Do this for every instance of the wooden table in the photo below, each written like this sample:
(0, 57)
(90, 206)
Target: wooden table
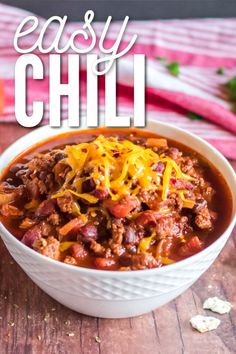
(32, 322)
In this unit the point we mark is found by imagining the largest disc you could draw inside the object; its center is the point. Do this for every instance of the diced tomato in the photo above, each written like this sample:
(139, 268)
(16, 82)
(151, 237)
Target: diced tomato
(73, 224)
(192, 246)
(104, 263)
(148, 217)
(121, 208)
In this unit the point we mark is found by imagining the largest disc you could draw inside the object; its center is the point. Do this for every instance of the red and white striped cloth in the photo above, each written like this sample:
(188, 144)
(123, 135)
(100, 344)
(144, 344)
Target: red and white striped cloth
(200, 46)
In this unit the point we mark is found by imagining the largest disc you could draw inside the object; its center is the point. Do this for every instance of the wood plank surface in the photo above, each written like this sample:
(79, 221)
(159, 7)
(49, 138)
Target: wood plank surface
(33, 323)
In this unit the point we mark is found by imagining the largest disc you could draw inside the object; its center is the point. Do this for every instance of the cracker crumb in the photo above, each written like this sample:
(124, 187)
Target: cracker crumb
(39, 337)
(29, 317)
(16, 306)
(98, 339)
(46, 317)
(67, 323)
(71, 334)
(217, 305)
(53, 309)
(12, 324)
(204, 323)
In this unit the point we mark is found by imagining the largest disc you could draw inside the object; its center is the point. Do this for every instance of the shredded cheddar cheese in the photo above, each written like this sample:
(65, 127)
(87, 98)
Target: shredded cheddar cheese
(33, 205)
(121, 166)
(64, 246)
(145, 243)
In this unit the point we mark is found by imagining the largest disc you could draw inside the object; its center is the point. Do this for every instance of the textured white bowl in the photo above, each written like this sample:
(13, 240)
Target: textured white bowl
(114, 294)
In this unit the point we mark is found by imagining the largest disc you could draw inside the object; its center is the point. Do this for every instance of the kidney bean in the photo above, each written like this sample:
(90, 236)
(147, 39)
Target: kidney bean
(60, 155)
(130, 235)
(101, 193)
(31, 235)
(158, 167)
(88, 185)
(78, 251)
(88, 232)
(46, 208)
(16, 167)
(104, 263)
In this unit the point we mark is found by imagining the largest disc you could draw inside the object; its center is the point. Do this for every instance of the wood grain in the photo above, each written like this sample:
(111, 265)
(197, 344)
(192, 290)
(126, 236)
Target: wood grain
(32, 323)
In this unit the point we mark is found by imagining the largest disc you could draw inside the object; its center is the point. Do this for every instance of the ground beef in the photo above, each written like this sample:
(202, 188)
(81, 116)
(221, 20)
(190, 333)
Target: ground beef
(46, 228)
(139, 261)
(70, 260)
(174, 153)
(54, 219)
(169, 226)
(152, 200)
(188, 165)
(97, 248)
(180, 183)
(51, 249)
(117, 229)
(60, 171)
(65, 203)
(10, 211)
(203, 219)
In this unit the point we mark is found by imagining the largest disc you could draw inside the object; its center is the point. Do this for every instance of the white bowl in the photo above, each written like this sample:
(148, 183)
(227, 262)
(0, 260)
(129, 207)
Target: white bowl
(116, 294)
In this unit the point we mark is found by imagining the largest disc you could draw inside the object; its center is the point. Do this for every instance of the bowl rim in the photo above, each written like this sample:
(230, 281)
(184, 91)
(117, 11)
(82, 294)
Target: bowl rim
(112, 273)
